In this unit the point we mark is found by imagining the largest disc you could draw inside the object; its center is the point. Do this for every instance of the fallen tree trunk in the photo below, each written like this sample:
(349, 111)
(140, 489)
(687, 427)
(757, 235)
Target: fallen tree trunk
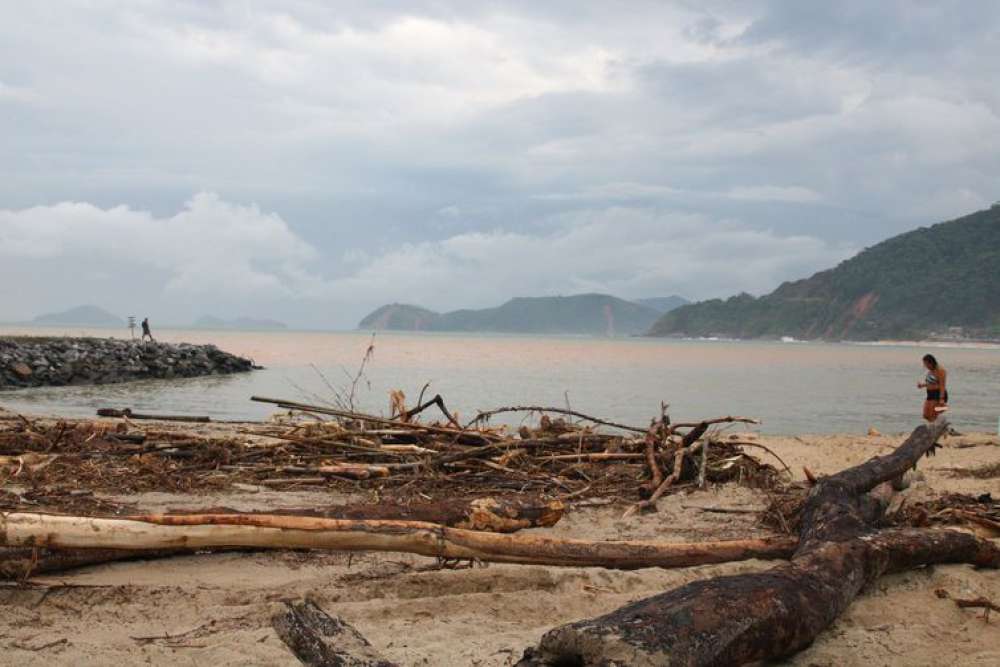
(320, 640)
(487, 514)
(497, 515)
(744, 618)
(166, 531)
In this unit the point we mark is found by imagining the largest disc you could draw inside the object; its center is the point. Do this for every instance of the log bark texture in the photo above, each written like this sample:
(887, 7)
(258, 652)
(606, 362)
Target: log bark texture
(485, 514)
(167, 531)
(734, 620)
(497, 515)
(19, 563)
(320, 640)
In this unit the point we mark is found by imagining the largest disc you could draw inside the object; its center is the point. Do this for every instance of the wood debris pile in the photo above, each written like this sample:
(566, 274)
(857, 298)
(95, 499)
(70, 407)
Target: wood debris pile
(563, 454)
(981, 514)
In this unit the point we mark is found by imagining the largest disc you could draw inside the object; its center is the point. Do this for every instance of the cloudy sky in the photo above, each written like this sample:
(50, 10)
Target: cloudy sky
(311, 160)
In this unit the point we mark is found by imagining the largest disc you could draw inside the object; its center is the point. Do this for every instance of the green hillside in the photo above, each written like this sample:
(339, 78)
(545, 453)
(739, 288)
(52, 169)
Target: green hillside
(595, 314)
(926, 282)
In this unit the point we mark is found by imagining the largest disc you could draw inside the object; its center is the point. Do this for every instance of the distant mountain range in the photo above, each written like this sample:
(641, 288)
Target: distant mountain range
(664, 304)
(82, 316)
(252, 323)
(595, 314)
(941, 281)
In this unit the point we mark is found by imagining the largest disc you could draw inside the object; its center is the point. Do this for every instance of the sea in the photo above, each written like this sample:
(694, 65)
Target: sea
(792, 387)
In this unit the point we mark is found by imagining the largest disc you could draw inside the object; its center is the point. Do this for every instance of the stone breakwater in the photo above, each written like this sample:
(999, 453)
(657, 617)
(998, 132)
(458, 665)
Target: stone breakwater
(26, 362)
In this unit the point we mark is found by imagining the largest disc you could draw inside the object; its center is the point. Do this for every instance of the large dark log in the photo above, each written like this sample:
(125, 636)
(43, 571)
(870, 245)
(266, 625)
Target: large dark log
(320, 640)
(738, 619)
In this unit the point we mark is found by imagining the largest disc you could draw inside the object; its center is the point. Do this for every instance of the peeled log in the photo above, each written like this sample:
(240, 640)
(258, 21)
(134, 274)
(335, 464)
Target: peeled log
(738, 619)
(487, 514)
(166, 531)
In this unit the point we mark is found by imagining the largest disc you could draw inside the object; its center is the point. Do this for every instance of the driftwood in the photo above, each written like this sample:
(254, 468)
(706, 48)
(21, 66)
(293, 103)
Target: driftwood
(486, 514)
(688, 446)
(985, 604)
(127, 412)
(496, 515)
(458, 434)
(20, 563)
(353, 449)
(408, 415)
(485, 416)
(744, 618)
(200, 531)
(320, 640)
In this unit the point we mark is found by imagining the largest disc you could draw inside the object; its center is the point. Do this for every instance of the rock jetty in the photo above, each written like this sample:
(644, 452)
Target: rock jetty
(37, 362)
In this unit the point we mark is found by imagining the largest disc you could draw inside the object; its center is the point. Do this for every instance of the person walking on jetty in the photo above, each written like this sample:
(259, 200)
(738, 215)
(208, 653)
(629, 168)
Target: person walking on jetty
(936, 384)
(145, 331)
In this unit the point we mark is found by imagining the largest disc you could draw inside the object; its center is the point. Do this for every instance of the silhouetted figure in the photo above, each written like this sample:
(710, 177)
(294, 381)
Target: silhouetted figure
(145, 331)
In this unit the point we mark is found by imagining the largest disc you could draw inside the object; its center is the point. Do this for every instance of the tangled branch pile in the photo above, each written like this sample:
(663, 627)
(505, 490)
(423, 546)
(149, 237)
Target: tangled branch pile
(569, 456)
(981, 514)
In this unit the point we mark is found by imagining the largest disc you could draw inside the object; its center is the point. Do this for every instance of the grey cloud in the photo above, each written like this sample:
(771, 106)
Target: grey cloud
(384, 133)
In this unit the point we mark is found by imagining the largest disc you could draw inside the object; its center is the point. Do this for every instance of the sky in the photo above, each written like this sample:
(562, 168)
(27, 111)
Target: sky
(310, 161)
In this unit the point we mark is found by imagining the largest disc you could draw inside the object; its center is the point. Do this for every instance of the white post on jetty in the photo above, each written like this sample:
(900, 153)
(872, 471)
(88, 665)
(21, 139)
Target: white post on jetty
(131, 325)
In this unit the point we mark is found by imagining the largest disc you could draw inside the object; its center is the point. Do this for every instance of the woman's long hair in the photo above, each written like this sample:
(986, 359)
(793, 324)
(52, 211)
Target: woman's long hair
(929, 358)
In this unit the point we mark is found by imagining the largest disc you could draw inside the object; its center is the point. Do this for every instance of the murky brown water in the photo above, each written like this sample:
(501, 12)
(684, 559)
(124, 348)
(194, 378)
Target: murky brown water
(793, 387)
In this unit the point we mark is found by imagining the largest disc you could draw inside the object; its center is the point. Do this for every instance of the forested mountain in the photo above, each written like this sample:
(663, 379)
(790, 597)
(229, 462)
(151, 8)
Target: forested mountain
(942, 280)
(598, 314)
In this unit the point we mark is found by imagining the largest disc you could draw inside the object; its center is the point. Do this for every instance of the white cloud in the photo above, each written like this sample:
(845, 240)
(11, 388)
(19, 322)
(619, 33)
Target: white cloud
(16, 94)
(211, 247)
(481, 149)
(624, 251)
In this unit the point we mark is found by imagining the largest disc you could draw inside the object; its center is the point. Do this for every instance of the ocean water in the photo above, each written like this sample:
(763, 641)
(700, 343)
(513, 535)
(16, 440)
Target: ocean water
(793, 387)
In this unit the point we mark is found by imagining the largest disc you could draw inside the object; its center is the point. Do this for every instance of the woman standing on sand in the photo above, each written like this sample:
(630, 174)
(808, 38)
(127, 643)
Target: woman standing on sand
(936, 384)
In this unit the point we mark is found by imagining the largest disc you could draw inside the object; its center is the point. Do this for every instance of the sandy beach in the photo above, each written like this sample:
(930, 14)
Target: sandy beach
(216, 609)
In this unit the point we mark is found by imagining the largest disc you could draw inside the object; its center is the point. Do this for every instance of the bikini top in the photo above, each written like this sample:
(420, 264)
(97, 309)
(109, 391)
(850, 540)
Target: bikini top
(931, 378)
